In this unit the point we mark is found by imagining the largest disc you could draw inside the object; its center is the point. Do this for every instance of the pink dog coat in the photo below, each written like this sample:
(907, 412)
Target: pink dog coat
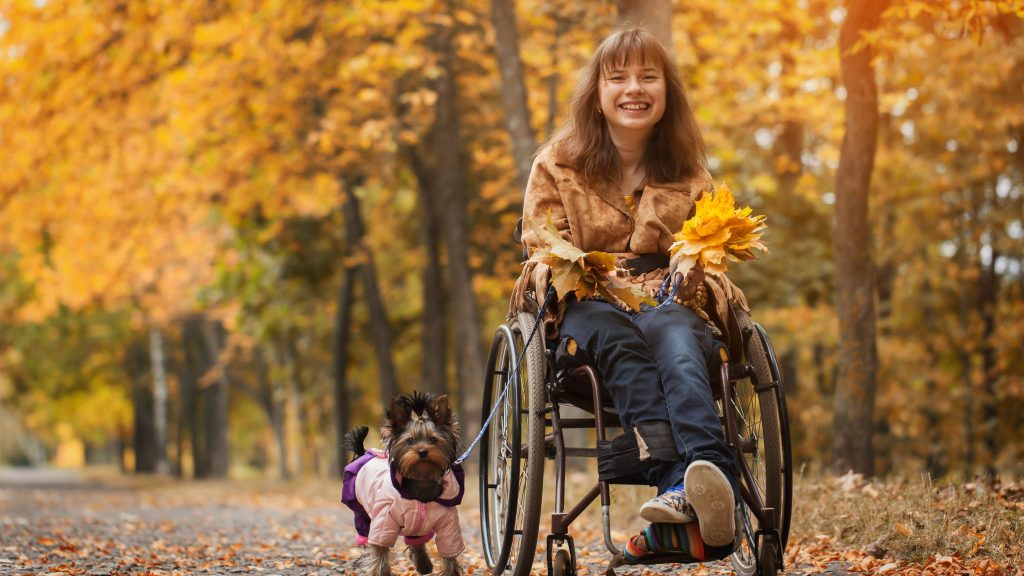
(382, 512)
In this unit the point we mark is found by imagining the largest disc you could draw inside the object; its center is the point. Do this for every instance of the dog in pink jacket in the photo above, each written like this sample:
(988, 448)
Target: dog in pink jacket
(413, 489)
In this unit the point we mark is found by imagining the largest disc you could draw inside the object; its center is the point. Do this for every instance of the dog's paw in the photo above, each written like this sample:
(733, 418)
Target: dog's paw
(420, 558)
(451, 567)
(376, 561)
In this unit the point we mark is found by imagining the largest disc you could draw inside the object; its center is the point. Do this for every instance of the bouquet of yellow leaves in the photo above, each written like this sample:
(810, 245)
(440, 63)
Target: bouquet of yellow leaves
(717, 232)
(588, 274)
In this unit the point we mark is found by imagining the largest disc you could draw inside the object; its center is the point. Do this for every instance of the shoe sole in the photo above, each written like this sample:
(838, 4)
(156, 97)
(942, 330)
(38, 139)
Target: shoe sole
(655, 515)
(711, 497)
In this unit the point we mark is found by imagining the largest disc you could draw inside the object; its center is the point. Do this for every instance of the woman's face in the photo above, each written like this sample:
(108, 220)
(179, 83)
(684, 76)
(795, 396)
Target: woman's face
(632, 98)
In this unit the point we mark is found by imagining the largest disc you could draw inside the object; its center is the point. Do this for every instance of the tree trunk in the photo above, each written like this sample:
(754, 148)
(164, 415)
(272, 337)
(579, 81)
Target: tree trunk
(513, 87)
(379, 327)
(342, 331)
(451, 183)
(144, 437)
(216, 413)
(183, 413)
(295, 393)
(791, 140)
(561, 25)
(193, 399)
(654, 15)
(156, 355)
(851, 242)
(434, 339)
(273, 406)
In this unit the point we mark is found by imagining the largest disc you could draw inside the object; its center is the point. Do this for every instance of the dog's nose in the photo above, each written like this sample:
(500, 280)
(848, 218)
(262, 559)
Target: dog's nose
(422, 452)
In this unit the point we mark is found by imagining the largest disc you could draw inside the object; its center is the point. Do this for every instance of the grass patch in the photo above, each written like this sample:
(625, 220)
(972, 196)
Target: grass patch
(913, 521)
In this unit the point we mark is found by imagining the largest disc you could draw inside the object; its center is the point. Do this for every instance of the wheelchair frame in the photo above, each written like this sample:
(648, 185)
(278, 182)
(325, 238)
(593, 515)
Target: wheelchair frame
(512, 477)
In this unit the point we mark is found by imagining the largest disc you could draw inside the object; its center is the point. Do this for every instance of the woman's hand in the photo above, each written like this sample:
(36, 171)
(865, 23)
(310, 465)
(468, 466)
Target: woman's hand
(688, 288)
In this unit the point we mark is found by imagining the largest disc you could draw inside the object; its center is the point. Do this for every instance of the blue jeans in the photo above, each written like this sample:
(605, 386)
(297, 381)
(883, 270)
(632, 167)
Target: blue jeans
(655, 365)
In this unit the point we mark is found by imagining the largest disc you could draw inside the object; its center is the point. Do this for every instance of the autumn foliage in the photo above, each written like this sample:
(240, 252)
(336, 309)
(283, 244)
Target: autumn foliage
(182, 167)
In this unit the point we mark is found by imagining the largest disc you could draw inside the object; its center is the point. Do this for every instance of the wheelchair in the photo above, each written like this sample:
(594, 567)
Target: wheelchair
(527, 430)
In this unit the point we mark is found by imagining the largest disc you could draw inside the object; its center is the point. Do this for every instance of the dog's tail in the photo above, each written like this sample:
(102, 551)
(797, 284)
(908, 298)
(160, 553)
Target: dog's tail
(354, 440)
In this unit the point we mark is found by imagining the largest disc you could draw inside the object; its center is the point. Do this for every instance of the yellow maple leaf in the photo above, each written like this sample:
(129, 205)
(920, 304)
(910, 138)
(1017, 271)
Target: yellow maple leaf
(716, 233)
(587, 274)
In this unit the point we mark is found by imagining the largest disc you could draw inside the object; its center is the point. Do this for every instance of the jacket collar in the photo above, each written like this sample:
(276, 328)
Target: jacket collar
(453, 480)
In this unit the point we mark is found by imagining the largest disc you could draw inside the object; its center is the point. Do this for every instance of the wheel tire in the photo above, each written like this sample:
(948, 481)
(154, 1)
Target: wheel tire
(511, 481)
(561, 564)
(767, 560)
(784, 509)
(762, 416)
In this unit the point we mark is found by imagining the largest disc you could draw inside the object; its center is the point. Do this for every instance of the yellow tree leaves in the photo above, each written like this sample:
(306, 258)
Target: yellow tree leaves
(89, 190)
(716, 232)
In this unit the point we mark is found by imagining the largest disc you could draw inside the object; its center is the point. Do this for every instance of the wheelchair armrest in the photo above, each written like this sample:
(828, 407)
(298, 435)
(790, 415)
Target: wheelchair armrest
(517, 235)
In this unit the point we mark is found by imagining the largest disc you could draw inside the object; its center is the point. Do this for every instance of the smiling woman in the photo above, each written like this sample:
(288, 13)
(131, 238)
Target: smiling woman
(630, 67)
(620, 177)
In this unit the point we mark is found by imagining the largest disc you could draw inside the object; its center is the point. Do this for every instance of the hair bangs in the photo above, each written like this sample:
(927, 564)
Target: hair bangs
(629, 48)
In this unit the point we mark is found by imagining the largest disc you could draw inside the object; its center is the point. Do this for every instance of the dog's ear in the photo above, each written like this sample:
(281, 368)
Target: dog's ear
(398, 414)
(440, 412)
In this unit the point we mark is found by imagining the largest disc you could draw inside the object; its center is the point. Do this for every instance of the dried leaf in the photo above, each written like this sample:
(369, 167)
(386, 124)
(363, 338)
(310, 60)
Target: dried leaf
(557, 245)
(587, 274)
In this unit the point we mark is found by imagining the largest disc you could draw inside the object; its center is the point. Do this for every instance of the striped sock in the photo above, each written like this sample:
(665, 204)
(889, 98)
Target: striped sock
(637, 547)
(661, 538)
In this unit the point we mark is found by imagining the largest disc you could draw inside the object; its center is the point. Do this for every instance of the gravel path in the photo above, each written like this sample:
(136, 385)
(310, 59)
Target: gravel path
(54, 523)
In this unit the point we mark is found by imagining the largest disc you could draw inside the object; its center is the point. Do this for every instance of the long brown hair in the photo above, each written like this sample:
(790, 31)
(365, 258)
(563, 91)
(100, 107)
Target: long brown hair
(675, 151)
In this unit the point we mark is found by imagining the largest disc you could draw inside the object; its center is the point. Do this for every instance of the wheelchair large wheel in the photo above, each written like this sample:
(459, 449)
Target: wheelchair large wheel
(759, 411)
(512, 451)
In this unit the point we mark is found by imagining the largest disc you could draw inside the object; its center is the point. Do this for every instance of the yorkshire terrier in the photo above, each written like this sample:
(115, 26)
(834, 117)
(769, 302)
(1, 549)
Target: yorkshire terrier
(411, 489)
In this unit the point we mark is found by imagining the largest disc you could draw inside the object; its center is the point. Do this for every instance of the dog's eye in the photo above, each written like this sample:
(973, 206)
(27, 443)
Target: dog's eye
(432, 440)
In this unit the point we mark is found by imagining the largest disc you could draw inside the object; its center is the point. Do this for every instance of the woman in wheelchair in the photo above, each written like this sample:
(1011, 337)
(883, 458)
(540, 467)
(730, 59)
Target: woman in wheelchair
(621, 176)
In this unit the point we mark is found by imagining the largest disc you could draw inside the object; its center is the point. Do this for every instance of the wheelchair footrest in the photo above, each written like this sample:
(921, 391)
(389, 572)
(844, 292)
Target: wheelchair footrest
(668, 557)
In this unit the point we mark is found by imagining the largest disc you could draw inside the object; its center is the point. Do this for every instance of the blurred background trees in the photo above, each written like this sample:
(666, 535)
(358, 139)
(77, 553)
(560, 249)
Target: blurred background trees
(228, 230)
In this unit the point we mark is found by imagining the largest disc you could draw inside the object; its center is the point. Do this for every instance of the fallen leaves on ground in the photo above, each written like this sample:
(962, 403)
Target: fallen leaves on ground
(300, 529)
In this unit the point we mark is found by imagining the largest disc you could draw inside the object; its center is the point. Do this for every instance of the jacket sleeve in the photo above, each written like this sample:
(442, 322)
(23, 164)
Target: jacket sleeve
(449, 534)
(384, 528)
(543, 199)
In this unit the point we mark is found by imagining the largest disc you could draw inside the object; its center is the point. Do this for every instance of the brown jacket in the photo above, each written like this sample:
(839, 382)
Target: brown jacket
(601, 218)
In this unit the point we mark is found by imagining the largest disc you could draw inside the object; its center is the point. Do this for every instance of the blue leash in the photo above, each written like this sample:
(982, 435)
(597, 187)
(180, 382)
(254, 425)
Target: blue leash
(504, 391)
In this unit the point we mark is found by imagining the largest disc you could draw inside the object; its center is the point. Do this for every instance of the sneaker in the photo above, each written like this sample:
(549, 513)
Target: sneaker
(670, 507)
(710, 494)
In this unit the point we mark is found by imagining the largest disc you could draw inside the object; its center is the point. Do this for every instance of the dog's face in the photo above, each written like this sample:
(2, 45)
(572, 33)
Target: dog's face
(421, 434)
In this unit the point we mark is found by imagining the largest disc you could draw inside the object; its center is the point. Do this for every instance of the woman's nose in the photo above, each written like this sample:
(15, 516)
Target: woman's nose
(633, 85)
